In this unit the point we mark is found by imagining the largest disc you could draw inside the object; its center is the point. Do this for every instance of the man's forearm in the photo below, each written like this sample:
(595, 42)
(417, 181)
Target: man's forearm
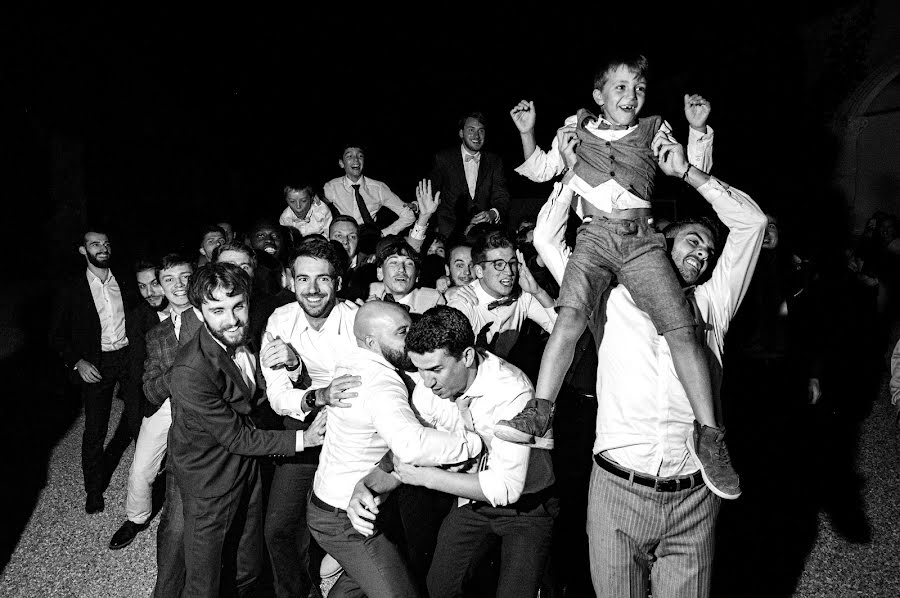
(466, 485)
(528, 144)
(379, 481)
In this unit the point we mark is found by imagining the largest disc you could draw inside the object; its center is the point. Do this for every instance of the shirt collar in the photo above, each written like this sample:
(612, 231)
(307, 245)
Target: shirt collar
(92, 278)
(332, 323)
(483, 296)
(348, 184)
(362, 353)
(487, 365)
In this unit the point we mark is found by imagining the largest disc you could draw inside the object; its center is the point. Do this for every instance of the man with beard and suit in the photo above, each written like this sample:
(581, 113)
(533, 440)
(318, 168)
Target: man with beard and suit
(161, 344)
(471, 182)
(89, 334)
(212, 439)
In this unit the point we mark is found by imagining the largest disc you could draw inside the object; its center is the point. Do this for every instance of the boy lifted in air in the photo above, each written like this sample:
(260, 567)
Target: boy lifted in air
(613, 163)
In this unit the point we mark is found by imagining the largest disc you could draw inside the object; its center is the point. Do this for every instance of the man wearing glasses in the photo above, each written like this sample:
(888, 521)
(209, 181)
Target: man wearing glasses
(502, 296)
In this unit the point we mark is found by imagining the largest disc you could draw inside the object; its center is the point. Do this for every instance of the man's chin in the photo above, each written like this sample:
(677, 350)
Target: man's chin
(234, 339)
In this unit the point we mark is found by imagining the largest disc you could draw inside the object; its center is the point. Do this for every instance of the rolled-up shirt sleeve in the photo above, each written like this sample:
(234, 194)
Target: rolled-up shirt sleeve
(550, 230)
(542, 166)
(503, 479)
(283, 397)
(405, 215)
(700, 149)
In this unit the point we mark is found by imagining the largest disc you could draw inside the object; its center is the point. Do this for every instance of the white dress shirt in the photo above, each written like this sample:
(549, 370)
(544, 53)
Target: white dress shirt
(470, 166)
(108, 301)
(375, 194)
(379, 419)
(419, 300)
(542, 166)
(245, 362)
(317, 221)
(319, 350)
(499, 392)
(643, 414)
(505, 321)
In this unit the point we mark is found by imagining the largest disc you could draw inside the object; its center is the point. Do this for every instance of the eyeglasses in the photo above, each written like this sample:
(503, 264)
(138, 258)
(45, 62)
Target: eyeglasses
(500, 265)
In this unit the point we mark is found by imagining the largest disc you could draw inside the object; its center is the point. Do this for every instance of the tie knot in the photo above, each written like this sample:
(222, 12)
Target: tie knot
(356, 186)
(473, 157)
(508, 300)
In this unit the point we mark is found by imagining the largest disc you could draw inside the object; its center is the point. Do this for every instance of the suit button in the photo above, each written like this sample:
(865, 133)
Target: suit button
(608, 144)
(611, 173)
(612, 158)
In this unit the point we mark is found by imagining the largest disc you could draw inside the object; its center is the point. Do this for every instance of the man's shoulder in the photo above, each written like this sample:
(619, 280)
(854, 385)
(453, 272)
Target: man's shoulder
(427, 294)
(448, 154)
(512, 379)
(284, 313)
(160, 330)
(333, 183)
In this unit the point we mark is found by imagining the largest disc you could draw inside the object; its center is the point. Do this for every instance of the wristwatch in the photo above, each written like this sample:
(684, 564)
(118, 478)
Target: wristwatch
(310, 399)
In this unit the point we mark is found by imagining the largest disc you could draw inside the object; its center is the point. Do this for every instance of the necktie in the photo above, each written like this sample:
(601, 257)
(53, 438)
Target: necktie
(176, 322)
(473, 158)
(361, 205)
(462, 403)
(508, 300)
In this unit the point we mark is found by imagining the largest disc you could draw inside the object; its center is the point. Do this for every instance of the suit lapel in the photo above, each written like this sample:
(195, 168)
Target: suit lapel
(190, 324)
(482, 172)
(460, 169)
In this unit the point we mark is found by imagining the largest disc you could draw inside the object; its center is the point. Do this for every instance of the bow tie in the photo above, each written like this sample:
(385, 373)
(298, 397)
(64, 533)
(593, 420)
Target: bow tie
(508, 300)
(472, 158)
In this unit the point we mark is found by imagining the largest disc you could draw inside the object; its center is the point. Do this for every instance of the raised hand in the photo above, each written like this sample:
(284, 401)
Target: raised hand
(277, 354)
(523, 115)
(428, 203)
(526, 278)
(696, 111)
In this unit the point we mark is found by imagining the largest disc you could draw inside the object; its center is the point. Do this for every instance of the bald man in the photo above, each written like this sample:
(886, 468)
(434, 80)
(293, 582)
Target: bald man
(376, 420)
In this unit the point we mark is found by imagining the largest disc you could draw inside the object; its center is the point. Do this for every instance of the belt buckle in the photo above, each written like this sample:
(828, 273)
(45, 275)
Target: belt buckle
(666, 485)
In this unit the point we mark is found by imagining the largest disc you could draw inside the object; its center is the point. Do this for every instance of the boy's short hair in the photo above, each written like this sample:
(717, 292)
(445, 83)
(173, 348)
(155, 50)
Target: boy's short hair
(397, 246)
(479, 116)
(322, 250)
(635, 62)
(170, 260)
(234, 246)
(299, 185)
(441, 327)
(352, 143)
(492, 240)
(232, 279)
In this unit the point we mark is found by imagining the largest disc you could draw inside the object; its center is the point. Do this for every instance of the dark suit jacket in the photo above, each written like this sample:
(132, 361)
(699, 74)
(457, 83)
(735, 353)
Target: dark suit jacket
(138, 322)
(75, 326)
(162, 348)
(457, 206)
(212, 436)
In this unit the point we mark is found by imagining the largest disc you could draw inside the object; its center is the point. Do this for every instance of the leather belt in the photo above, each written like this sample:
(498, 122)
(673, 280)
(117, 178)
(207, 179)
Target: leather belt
(323, 505)
(658, 484)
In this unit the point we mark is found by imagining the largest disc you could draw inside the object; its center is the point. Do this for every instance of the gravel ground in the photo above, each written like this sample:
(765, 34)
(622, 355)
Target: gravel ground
(63, 551)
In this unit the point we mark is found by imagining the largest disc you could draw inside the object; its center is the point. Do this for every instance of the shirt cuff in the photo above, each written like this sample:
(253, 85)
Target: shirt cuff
(290, 403)
(495, 489)
(418, 232)
(528, 168)
(496, 213)
(696, 136)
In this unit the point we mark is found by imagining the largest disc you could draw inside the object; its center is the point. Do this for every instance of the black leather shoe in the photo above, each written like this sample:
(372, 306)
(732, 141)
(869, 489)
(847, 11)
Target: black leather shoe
(94, 503)
(126, 534)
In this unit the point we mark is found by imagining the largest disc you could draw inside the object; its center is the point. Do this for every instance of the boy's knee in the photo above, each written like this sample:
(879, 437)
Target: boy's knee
(570, 320)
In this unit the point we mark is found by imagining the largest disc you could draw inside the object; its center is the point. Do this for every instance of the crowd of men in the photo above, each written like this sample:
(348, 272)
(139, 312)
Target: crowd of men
(326, 387)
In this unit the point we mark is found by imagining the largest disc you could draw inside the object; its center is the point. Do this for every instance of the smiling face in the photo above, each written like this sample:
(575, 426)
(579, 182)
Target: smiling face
(267, 238)
(226, 317)
(461, 266)
(96, 250)
(692, 251)
(174, 282)
(770, 240)
(622, 95)
(398, 273)
(498, 283)
(353, 162)
(448, 377)
(315, 286)
(148, 285)
(472, 135)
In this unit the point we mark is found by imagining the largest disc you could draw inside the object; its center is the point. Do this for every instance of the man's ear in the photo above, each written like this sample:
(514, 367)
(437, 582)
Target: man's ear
(461, 134)
(379, 273)
(337, 286)
(446, 270)
(479, 271)
(598, 97)
(82, 250)
(341, 164)
(469, 354)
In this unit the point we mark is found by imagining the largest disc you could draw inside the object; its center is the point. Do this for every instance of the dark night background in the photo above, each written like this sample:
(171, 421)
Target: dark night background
(159, 120)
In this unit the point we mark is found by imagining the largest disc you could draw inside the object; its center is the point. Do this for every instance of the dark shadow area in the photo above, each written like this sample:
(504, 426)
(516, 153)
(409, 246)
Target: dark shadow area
(40, 406)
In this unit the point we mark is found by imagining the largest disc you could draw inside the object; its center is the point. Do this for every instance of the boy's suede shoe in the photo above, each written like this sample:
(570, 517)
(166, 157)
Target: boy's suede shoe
(126, 534)
(707, 446)
(532, 426)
